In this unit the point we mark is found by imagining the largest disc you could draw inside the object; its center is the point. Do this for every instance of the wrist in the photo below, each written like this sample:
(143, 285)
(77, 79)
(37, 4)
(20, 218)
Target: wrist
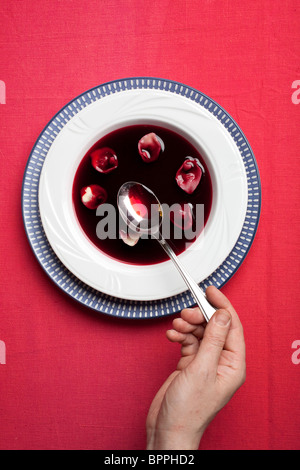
(172, 440)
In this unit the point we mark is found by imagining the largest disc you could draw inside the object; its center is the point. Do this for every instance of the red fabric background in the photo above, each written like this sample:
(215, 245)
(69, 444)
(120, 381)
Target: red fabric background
(75, 379)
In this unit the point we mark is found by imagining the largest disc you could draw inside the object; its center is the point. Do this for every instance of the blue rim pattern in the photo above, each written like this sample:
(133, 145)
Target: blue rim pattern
(69, 283)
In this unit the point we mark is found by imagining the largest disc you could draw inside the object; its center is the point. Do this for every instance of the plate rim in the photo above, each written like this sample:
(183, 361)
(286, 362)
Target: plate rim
(138, 80)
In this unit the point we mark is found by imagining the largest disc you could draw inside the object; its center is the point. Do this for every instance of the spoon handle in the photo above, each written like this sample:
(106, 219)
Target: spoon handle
(199, 296)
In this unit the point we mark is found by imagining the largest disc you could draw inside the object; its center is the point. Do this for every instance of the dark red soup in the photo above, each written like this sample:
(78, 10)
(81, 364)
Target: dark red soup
(160, 159)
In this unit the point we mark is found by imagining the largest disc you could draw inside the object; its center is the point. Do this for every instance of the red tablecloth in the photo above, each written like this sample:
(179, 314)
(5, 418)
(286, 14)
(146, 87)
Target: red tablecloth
(77, 379)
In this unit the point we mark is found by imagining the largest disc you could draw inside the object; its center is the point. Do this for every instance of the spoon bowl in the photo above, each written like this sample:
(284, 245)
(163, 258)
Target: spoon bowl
(140, 208)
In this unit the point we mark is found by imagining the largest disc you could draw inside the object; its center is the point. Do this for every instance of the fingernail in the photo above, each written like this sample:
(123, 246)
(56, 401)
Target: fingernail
(222, 317)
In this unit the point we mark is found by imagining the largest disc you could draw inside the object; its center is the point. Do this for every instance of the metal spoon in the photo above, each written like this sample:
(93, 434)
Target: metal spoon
(142, 212)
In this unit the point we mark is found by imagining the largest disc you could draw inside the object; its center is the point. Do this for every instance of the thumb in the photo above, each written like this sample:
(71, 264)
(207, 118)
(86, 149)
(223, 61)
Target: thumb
(213, 341)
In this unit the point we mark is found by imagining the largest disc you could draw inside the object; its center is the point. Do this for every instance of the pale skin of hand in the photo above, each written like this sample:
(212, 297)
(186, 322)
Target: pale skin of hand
(211, 368)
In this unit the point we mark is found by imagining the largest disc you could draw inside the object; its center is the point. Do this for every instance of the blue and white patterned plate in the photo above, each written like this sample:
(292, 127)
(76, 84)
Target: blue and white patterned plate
(74, 118)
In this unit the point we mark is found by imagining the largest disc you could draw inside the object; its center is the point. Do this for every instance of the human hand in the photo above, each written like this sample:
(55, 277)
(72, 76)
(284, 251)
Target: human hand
(210, 370)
